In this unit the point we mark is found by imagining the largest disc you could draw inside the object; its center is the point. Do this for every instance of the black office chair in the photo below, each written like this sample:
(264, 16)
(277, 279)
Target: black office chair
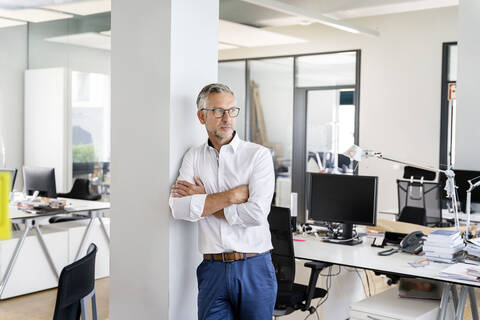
(75, 287)
(80, 190)
(290, 296)
(414, 215)
(419, 198)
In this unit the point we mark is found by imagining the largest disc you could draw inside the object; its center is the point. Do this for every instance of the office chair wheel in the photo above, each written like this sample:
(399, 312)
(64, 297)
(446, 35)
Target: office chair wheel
(312, 310)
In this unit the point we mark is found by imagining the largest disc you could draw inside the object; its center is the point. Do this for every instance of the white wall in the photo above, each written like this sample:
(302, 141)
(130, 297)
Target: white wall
(13, 62)
(467, 150)
(400, 84)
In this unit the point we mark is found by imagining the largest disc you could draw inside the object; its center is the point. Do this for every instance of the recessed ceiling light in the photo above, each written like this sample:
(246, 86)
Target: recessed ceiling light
(4, 23)
(84, 8)
(223, 46)
(305, 22)
(33, 15)
(87, 39)
(246, 36)
(289, 9)
(24, 4)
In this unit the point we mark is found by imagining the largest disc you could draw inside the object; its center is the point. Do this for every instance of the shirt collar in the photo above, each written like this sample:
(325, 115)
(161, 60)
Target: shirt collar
(233, 144)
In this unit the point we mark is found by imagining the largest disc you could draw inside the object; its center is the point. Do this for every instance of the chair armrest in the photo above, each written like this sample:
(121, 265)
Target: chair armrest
(316, 267)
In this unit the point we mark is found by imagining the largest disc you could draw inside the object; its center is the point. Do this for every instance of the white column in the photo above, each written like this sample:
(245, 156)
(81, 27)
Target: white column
(163, 53)
(467, 150)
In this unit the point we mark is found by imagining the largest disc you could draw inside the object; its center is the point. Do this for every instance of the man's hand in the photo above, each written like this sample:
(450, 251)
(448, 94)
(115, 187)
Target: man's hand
(219, 214)
(183, 188)
(239, 194)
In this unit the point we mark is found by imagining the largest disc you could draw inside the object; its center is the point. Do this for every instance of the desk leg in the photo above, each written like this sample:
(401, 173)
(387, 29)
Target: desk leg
(454, 296)
(45, 250)
(13, 259)
(461, 303)
(444, 301)
(473, 303)
(85, 235)
(104, 229)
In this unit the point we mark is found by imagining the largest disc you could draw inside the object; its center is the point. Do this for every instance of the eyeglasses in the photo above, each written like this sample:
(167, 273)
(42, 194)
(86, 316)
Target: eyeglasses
(219, 112)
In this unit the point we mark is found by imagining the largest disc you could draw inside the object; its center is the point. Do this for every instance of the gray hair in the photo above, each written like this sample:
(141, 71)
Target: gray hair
(202, 99)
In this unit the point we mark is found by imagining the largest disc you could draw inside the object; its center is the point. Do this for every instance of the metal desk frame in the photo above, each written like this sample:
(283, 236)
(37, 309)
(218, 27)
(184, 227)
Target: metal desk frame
(31, 220)
(365, 257)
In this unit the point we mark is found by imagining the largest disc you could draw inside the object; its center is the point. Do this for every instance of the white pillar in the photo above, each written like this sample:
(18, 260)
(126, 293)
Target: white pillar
(163, 53)
(467, 142)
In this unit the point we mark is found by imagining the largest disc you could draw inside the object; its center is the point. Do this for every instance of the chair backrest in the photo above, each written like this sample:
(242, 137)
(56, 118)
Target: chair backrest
(283, 255)
(413, 215)
(81, 190)
(76, 281)
(426, 195)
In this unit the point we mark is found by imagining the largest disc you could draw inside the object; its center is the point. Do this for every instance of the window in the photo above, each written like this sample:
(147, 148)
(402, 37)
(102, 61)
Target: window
(90, 124)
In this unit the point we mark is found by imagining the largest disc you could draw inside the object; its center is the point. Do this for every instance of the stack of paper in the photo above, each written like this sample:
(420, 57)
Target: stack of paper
(461, 271)
(473, 247)
(443, 246)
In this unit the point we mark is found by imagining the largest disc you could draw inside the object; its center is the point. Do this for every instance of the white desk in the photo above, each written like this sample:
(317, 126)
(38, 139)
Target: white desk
(31, 221)
(365, 256)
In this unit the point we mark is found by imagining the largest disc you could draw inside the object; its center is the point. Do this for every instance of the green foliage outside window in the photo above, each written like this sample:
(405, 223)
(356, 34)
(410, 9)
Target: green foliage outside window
(83, 153)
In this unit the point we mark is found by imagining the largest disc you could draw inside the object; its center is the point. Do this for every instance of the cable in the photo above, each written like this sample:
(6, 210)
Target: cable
(332, 275)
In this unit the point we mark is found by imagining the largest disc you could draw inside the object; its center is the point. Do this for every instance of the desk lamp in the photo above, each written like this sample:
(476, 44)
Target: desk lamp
(469, 198)
(358, 154)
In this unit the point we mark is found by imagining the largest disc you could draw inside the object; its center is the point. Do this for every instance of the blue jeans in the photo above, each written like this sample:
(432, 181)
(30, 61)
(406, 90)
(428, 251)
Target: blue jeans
(240, 290)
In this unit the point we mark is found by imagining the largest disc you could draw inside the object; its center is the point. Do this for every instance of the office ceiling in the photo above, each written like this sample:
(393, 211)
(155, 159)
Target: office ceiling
(255, 15)
(241, 22)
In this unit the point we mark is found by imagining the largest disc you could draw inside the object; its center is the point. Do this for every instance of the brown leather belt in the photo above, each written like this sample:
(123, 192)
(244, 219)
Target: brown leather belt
(228, 256)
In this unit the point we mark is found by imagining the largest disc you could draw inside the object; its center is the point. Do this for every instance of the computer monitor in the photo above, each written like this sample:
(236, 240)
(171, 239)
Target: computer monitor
(41, 180)
(461, 181)
(13, 176)
(346, 199)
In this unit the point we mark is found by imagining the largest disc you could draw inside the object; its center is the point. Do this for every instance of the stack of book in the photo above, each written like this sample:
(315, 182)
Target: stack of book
(443, 246)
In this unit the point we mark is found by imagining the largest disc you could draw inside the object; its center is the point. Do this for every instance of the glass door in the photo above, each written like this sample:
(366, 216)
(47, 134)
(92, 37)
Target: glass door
(330, 130)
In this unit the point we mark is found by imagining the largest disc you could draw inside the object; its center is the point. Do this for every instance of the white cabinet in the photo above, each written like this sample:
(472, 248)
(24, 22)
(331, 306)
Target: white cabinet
(32, 271)
(76, 230)
(48, 122)
(389, 306)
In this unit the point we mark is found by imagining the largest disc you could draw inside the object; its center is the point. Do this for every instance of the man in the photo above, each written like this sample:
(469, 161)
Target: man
(227, 185)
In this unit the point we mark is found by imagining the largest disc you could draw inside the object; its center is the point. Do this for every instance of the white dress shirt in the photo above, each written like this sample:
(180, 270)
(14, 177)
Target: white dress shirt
(239, 162)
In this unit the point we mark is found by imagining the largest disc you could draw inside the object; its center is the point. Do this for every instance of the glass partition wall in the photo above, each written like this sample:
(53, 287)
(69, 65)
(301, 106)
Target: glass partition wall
(80, 48)
(305, 109)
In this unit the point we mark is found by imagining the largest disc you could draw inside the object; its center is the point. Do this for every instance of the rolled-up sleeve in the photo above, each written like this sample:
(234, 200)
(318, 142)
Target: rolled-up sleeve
(261, 187)
(188, 208)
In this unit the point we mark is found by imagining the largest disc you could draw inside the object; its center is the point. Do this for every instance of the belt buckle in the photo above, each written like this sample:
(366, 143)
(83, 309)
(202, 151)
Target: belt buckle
(225, 260)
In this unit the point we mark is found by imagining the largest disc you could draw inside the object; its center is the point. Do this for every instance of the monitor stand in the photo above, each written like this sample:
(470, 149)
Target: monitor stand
(346, 236)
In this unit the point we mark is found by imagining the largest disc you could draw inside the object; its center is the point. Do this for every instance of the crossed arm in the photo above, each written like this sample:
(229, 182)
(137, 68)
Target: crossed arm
(246, 206)
(214, 202)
